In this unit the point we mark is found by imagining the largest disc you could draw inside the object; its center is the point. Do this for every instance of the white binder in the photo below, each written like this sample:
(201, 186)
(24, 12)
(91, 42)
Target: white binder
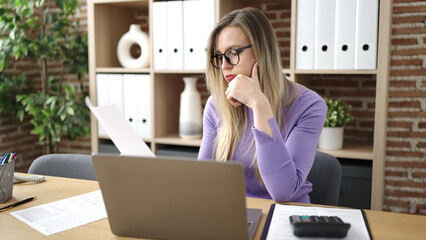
(116, 91)
(160, 35)
(198, 21)
(175, 34)
(102, 89)
(324, 34)
(305, 34)
(131, 92)
(144, 106)
(366, 34)
(344, 51)
(137, 103)
(102, 93)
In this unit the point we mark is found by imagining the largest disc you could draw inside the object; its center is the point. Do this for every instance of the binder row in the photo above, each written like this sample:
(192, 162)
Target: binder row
(181, 30)
(336, 34)
(130, 93)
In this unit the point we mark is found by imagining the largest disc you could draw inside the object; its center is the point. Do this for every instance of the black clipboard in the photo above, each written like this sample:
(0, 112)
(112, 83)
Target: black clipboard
(271, 213)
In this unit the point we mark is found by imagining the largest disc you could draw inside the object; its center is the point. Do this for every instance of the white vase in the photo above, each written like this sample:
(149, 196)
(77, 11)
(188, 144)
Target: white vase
(331, 138)
(134, 36)
(190, 112)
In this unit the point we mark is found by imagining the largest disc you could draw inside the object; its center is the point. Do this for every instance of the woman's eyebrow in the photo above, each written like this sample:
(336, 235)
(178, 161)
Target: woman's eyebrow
(232, 46)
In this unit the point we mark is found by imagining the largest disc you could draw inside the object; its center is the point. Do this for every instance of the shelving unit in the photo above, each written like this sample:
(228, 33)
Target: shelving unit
(376, 150)
(108, 20)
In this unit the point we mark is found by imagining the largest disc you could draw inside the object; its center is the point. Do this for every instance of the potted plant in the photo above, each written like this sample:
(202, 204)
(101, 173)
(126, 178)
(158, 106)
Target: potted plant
(45, 33)
(338, 116)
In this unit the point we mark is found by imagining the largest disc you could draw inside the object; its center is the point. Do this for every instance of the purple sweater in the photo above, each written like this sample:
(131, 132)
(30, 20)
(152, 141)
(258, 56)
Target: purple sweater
(285, 160)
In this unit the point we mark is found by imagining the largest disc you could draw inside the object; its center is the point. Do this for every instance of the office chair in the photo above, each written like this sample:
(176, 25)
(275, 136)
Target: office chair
(64, 165)
(325, 176)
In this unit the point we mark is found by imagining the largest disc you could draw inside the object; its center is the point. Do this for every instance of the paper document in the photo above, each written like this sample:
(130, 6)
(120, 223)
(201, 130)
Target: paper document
(64, 214)
(119, 130)
(280, 227)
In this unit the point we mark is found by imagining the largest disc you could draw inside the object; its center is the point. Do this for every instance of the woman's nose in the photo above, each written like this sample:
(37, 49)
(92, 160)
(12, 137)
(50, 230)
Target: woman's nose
(225, 64)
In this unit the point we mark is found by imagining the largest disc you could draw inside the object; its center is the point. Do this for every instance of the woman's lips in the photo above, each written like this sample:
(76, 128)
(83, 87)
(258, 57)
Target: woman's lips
(230, 77)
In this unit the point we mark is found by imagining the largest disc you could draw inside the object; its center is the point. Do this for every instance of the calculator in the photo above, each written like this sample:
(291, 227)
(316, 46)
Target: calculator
(319, 226)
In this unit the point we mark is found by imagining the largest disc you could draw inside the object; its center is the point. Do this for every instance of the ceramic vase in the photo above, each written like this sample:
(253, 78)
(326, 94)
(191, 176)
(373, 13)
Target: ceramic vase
(190, 111)
(331, 138)
(134, 36)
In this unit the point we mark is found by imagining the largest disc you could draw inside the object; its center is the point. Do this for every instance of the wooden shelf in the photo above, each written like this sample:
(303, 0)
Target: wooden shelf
(336, 72)
(174, 139)
(286, 71)
(106, 137)
(180, 71)
(128, 3)
(122, 70)
(353, 149)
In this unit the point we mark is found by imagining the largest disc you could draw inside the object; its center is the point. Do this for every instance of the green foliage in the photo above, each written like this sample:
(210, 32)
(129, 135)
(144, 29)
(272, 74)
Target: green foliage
(56, 116)
(10, 86)
(337, 113)
(45, 31)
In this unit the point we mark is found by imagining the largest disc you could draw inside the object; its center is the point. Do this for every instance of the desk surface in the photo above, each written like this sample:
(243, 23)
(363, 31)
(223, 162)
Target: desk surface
(383, 225)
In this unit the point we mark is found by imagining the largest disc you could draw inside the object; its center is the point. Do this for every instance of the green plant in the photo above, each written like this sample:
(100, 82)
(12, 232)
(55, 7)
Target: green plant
(10, 86)
(337, 113)
(47, 33)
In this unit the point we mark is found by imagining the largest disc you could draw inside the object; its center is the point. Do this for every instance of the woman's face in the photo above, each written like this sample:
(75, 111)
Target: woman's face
(234, 37)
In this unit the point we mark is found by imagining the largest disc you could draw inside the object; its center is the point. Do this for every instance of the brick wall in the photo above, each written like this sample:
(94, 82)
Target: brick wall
(405, 175)
(16, 137)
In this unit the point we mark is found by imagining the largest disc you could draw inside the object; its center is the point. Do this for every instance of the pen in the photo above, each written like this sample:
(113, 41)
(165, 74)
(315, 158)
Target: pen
(3, 158)
(17, 204)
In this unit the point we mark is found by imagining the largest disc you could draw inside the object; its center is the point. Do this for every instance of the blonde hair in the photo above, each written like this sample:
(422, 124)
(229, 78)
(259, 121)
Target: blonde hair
(272, 83)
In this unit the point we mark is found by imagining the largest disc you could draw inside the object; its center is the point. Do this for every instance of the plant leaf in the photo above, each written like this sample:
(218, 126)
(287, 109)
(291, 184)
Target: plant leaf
(69, 111)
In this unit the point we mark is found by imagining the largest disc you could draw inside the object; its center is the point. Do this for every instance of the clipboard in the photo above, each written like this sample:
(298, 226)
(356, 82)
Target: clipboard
(359, 224)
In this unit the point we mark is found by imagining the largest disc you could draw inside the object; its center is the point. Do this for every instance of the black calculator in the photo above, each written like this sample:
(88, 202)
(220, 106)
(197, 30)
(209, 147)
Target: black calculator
(319, 226)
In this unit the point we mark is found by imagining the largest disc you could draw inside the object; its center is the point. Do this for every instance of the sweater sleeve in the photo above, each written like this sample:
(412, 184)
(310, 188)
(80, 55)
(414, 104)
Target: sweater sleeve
(286, 159)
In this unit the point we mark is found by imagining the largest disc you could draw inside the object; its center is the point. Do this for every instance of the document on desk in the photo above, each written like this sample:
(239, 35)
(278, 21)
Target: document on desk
(121, 133)
(64, 214)
(278, 226)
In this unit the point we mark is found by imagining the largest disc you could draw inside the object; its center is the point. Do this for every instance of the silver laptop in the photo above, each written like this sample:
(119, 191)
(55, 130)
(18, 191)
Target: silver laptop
(164, 198)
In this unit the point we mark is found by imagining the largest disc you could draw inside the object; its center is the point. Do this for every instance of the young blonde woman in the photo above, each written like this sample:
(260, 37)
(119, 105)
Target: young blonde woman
(255, 116)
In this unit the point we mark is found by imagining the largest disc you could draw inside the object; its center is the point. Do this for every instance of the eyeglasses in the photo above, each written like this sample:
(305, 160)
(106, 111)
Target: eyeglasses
(231, 55)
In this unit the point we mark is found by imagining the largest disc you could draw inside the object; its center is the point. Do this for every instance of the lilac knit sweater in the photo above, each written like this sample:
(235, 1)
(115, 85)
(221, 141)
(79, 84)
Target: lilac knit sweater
(285, 160)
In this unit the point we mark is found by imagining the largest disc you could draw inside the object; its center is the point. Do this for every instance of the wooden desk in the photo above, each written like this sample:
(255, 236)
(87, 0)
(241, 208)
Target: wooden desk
(383, 225)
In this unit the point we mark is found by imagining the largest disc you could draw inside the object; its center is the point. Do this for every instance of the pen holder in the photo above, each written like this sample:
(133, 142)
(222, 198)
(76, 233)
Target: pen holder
(6, 181)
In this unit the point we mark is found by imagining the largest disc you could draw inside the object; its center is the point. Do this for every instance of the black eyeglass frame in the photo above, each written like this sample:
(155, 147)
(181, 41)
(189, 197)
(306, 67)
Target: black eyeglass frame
(238, 50)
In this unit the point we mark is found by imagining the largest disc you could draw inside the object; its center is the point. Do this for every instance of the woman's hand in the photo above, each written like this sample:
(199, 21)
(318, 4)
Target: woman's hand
(244, 90)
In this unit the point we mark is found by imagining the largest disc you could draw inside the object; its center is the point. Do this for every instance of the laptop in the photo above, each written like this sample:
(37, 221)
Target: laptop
(166, 198)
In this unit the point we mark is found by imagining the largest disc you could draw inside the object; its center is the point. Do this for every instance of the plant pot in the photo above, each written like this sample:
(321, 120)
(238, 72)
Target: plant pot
(331, 138)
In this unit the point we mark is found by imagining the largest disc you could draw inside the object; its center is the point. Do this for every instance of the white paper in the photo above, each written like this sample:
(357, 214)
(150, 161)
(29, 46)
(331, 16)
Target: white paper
(64, 214)
(280, 227)
(121, 133)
